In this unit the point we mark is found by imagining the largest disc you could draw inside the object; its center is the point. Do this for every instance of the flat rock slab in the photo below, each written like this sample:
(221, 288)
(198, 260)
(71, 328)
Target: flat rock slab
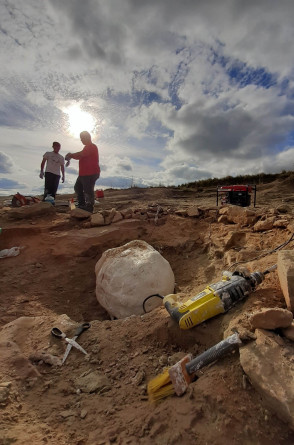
(286, 276)
(271, 372)
(267, 224)
(271, 318)
(80, 214)
(240, 215)
(31, 211)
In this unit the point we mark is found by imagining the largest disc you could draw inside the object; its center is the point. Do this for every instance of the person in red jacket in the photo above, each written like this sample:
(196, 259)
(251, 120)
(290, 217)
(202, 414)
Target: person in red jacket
(89, 172)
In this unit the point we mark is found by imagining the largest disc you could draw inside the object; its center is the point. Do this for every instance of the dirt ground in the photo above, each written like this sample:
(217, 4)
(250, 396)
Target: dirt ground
(52, 283)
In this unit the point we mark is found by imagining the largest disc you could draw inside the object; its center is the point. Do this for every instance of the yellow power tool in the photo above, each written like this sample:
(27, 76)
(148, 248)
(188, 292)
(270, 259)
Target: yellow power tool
(215, 299)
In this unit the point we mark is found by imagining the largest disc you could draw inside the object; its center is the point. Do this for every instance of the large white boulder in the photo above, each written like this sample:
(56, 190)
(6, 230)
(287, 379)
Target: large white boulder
(126, 275)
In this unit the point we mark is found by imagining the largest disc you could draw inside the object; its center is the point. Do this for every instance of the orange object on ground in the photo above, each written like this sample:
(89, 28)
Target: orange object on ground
(99, 193)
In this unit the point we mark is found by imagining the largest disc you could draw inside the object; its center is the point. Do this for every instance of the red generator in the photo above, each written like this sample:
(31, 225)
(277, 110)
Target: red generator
(239, 195)
(99, 194)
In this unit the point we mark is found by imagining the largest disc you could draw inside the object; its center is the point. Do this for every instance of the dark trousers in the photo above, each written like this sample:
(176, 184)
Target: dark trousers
(84, 188)
(51, 184)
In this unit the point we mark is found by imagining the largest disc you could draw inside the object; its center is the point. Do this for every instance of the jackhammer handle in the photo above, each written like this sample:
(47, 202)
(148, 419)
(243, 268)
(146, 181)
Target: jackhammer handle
(217, 351)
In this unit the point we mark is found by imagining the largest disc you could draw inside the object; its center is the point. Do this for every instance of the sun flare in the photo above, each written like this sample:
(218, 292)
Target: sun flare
(79, 120)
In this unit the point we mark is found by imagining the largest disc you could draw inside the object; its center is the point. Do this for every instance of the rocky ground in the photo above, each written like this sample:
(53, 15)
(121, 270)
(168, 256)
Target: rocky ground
(101, 398)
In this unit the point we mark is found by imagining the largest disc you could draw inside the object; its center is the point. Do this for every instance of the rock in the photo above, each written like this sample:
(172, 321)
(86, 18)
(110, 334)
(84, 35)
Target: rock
(87, 225)
(109, 215)
(4, 394)
(67, 413)
(290, 227)
(270, 373)
(271, 318)
(117, 217)
(13, 359)
(235, 239)
(139, 377)
(241, 215)
(281, 223)
(213, 213)
(93, 382)
(31, 211)
(289, 332)
(223, 219)
(83, 414)
(126, 275)
(80, 214)
(46, 358)
(267, 224)
(5, 384)
(270, 212)
(176, 357)
(193, 211)
(286, 276)
(284, 208)
(181, 212)
(127, 214)
(223, 210)
(230, 257)
(97, 219)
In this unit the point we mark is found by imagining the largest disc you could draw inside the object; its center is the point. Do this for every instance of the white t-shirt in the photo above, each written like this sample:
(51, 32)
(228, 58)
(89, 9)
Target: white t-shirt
(54, 162)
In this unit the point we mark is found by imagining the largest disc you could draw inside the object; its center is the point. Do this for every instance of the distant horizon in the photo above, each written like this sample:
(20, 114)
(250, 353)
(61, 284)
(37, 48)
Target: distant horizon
(287, 172)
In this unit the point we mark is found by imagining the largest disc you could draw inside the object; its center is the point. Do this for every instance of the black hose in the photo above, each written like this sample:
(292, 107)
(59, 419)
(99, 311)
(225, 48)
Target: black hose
(264, 254)
(151, 296)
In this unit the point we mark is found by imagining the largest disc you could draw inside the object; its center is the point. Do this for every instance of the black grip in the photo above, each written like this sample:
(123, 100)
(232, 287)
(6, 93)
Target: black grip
(56, 332)
(83, 327)
(214, 353)
(174, 311)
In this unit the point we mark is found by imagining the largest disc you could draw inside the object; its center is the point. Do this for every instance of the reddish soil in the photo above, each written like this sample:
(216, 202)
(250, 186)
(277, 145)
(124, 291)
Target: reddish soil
(54, 275)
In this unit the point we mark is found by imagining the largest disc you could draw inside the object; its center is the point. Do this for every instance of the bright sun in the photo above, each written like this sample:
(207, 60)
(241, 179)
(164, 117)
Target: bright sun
(79, 120)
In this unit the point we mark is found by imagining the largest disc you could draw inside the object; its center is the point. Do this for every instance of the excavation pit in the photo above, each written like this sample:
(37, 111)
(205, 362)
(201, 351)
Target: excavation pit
(54, 277)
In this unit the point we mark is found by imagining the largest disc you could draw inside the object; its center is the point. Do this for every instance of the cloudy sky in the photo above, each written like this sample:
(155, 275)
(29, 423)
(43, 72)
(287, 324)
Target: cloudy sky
(172, 91)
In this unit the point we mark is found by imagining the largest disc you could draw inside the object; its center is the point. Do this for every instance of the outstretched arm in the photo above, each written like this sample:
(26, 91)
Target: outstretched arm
(41, 175)
(62, 171)
(77, 155)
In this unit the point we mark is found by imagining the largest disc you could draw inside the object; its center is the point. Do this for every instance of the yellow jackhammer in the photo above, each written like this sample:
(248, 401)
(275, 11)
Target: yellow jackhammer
(215, 299)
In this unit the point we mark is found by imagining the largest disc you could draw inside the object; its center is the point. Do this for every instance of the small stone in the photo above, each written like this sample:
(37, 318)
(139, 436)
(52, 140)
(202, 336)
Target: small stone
(4, 394)
(93, 382)
(5, 384)
(289, 332)
(84, 412)
(163, 359)
(244, 382)
(67, 413)
(139, 378)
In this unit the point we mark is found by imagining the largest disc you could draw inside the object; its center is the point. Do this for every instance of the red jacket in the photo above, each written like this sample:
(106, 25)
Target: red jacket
(88, 160)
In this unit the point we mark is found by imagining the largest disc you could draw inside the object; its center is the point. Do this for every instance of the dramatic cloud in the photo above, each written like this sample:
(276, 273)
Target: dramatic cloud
(9, 184)
(177, 91)
(5, 163)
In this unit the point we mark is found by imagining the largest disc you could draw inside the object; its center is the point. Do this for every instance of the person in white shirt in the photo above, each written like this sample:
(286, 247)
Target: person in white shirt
(55, 163)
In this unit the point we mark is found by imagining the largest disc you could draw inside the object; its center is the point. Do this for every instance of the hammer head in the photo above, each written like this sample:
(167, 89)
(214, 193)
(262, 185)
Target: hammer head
(179, 376)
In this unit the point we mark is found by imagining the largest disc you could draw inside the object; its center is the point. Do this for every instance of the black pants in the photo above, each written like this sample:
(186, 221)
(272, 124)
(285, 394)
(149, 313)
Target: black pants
(51, 184)
(84, 188)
